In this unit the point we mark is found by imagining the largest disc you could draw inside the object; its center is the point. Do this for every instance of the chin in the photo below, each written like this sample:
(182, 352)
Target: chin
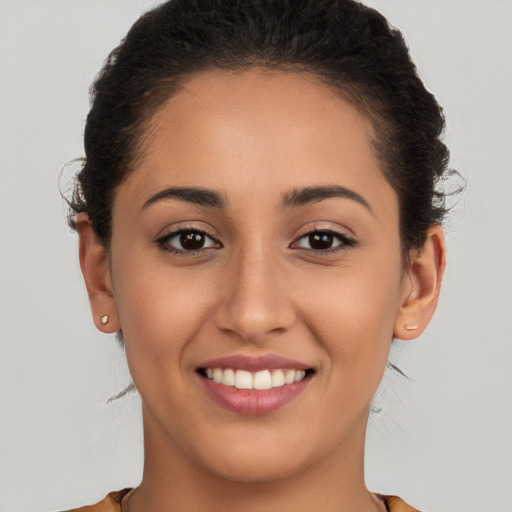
(261, 458)
(259, 469)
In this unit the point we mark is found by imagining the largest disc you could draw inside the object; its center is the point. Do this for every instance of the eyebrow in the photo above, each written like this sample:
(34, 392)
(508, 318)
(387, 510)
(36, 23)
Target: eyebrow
(296, 197)
(196, 195)
(308, 195)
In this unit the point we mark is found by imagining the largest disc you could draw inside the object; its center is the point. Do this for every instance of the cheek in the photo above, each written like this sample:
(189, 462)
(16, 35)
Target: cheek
(160, 309)
(351, 312)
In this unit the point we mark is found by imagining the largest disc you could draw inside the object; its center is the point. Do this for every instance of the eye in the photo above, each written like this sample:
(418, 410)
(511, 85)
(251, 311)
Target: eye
(190, 240)
(324, 241)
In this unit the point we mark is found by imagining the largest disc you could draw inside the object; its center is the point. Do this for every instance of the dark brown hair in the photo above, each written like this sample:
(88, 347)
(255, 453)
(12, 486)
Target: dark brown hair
(348, 46)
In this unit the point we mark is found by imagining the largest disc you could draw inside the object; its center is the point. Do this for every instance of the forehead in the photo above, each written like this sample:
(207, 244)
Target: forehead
(258, 132)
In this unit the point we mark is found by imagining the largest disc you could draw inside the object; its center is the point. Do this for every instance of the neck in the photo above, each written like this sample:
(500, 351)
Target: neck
(174, 481)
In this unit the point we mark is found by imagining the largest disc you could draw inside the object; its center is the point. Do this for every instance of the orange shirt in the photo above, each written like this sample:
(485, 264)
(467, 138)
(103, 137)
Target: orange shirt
(112, 503)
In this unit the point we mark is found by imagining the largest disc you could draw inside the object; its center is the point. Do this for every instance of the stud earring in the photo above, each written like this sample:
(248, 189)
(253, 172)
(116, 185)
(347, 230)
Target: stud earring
(104, 319)
(411, 327)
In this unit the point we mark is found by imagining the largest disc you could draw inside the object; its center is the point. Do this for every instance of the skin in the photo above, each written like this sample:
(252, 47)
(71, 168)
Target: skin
(258, 287)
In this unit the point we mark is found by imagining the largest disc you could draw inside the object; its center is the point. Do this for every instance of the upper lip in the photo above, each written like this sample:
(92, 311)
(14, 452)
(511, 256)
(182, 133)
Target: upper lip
(254, 363)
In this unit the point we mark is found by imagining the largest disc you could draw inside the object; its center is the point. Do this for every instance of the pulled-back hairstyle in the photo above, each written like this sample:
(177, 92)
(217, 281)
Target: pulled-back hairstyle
(349, 47)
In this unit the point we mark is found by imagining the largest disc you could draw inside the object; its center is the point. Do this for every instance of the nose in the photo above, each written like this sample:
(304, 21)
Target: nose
(255, 302)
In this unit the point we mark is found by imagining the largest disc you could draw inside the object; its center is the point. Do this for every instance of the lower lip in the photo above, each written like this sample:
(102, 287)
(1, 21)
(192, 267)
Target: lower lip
(254, 401)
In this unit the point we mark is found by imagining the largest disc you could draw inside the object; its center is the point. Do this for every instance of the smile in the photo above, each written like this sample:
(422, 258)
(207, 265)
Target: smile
(254, 385)
(265, 379)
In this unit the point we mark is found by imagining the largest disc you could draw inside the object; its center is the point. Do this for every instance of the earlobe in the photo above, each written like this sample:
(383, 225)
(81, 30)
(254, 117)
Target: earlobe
(96, 271)
(422, 286)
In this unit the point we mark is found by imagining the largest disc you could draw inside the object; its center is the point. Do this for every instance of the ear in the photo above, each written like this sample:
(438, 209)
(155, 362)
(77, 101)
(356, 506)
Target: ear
(421, 286)
(95, 267)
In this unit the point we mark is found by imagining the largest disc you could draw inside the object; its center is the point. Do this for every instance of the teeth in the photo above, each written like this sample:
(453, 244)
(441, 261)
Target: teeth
(277, 378)
(262, 380)
(289, 376)
(228, 377)
(265, 379)
(243, 379)
(299, 375)
(217, 375)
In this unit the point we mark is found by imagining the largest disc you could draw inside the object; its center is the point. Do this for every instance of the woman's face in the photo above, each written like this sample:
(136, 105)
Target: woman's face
(257, 235)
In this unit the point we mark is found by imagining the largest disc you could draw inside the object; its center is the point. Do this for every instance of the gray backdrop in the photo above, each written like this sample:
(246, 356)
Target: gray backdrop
(442, 441)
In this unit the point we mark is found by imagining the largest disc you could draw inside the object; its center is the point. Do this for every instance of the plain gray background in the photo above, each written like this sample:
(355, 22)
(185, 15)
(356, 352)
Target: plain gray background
(443, 440)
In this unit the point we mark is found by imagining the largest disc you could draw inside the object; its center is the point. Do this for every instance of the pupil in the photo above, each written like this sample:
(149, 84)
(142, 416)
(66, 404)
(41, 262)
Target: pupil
(321, 241)
(192, 240)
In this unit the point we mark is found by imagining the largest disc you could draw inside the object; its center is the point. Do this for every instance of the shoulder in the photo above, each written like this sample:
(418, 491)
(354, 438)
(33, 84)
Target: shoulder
(396, 504)
(111, 503)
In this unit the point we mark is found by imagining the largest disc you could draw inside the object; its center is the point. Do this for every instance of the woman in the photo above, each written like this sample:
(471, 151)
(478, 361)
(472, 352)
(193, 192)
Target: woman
(258, 219)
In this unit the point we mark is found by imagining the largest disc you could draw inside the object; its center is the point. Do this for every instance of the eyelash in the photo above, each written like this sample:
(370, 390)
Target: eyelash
(345, 241)
(163, 242)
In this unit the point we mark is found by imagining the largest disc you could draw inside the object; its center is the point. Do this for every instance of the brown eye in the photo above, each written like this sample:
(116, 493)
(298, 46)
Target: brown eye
(192, 240)
(321, 241)
(324, 241)
(187, 241)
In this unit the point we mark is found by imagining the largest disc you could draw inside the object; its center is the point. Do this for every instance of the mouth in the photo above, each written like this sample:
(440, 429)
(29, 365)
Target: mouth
(260, 380)
(254, 386)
